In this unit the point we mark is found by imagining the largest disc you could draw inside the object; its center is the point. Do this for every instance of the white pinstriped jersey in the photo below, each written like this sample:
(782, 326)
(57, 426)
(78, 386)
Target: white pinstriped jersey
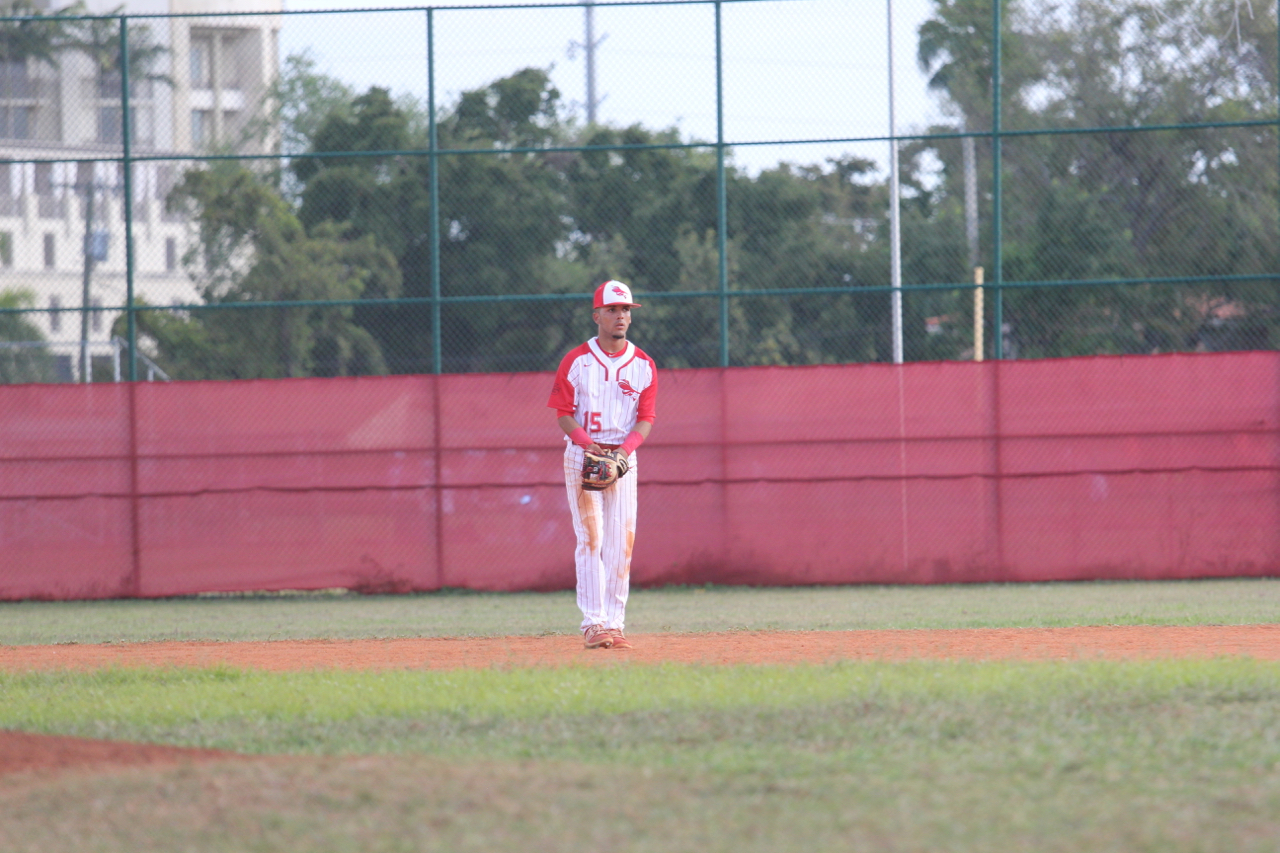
(606, 394)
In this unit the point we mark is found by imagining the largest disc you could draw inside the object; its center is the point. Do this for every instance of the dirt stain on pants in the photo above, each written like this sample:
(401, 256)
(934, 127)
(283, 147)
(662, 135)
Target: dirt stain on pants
(590, 519)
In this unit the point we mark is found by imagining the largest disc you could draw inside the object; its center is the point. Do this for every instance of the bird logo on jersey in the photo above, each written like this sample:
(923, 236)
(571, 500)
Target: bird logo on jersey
(627, 389)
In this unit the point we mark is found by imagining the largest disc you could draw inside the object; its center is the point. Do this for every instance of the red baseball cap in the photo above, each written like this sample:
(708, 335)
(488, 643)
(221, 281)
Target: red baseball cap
(614, 293)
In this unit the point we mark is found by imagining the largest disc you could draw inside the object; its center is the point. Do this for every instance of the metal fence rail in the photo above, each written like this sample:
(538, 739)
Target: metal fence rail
(1094, 177)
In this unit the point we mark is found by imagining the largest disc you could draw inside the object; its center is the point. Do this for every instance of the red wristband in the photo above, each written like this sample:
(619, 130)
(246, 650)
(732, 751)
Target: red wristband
(579, 437)
(634, 440)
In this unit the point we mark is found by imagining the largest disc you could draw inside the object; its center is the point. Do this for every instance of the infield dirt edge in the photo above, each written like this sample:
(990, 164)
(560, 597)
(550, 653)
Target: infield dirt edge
(724, 648)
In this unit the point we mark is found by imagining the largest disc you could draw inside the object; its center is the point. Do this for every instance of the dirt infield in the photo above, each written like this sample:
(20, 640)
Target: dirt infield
(739, 647)
(21, 752)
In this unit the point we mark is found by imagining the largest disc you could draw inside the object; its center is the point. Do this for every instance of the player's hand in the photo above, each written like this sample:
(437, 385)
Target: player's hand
(595, 448)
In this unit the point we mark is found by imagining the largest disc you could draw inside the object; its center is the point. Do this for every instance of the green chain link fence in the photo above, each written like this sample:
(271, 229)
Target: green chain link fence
(1109, 165)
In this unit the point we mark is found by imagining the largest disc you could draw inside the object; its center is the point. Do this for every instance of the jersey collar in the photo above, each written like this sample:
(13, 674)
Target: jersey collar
(612, 364)
(608, 358)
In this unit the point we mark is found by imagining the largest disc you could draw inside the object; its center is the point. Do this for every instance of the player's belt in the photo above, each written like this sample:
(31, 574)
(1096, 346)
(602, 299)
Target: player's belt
(609, 446)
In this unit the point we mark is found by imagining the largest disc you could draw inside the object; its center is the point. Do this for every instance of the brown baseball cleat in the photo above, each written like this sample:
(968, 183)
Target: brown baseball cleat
(619, 641)
(597, 637)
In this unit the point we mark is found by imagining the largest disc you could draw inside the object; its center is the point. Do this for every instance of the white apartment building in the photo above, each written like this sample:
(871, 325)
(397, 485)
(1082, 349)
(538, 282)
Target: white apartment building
(208, 80)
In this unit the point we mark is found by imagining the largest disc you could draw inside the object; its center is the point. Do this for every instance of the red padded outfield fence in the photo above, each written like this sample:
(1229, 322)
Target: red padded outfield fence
(1124, 467)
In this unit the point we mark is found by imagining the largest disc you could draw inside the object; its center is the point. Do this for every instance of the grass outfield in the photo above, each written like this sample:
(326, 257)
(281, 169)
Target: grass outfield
(868, 756)
(1098, 756)
(349, 616)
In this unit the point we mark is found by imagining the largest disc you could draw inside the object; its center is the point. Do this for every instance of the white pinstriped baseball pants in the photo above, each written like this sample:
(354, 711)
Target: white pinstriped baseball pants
(605, 526)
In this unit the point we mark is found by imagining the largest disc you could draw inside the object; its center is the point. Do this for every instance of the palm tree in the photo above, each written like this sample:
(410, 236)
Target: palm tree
(29, 34)
(99, 38)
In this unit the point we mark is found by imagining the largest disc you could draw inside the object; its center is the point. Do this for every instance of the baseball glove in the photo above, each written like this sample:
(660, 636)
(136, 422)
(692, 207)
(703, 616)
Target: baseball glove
(602, 470)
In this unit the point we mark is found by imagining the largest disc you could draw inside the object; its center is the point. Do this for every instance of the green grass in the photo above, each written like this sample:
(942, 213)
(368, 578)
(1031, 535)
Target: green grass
(336, 615)
(254, 711)
(867, 756)
(1075, 756)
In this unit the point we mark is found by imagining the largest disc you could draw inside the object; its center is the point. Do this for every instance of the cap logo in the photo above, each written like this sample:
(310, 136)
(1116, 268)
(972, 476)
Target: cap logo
(613, 293)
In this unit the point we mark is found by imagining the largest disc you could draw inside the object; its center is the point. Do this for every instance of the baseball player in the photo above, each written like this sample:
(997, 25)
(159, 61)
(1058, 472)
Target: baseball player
(604, 395)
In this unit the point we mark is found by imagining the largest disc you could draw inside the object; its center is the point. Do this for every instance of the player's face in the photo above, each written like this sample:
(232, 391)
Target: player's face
(613, 321)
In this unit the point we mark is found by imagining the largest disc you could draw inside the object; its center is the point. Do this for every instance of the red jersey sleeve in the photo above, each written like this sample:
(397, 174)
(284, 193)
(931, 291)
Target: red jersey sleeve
(563, 397)
(647, 409)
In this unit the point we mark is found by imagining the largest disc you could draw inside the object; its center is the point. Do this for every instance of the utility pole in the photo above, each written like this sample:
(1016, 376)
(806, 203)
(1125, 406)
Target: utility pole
(895, 225)
(589, 48)
(971, 231)
(970, 198)
(95, 248)
(85, 372)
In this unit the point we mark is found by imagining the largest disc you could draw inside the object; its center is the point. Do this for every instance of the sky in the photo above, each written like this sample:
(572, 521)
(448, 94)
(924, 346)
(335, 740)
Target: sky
(792, 69)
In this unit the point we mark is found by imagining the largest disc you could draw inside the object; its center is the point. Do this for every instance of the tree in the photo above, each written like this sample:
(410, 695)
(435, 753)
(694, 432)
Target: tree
(46, 37)
(290, 113)
(39, 36)
(24, 359)
(520, 111)
(99, 38)
(640, 204)
(1120, 204)
(634, 204)
(501, 214)
(299, 100)
(805, 226)
(252, 248)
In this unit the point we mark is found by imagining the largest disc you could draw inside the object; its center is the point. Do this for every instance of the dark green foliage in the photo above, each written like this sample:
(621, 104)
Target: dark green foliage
(252, 248)
(22, 359)
(527, 203)
(1136, 205)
